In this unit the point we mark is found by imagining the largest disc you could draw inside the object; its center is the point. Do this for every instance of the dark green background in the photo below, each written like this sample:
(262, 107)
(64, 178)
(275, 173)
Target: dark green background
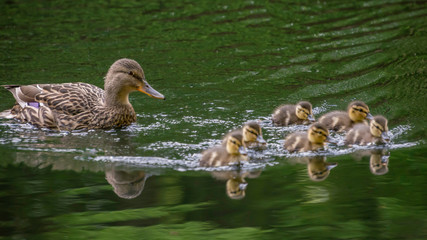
(219, 64)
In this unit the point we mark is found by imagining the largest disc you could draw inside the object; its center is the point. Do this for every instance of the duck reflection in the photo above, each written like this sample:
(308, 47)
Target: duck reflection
(318, 168)
(236, 184)
(127, 182)
(378, 163)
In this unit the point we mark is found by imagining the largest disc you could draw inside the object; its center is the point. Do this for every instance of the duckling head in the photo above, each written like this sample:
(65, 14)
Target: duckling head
(358, 111)
(318, 133)
(379, 128)
(236, 188)
(123, 77)
(304, 111)
(235, 144)
(378, 163)
(319, 169)
(252, 133)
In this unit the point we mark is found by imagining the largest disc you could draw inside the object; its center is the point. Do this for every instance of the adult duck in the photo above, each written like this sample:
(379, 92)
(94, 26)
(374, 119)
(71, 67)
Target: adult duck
(71, 106)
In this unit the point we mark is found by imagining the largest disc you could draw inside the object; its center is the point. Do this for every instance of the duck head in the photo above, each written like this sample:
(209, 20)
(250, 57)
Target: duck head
(304, 111)
(358, 111)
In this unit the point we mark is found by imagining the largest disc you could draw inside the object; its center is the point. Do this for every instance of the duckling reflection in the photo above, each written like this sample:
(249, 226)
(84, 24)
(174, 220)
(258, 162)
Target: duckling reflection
(288, 114)
(318, 168)
(341, 121)
(378, 162)
(127, 183)
(236, 184)
(252, 136)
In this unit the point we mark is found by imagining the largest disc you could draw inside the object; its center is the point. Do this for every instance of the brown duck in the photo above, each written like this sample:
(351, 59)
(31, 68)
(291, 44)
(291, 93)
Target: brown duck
(71, 106)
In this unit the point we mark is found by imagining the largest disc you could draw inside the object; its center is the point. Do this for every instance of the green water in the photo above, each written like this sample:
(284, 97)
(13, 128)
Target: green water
(219, 64)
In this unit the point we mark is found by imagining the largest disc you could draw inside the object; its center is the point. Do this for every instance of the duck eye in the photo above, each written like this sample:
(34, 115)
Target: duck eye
(254, 133)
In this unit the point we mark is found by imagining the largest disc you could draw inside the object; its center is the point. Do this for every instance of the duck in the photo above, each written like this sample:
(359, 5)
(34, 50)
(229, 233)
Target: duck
(252, 135)
(78, 105)
(236, 184)
(234, 152)
(340, 121)
(312, 140)
(318, 169)
(287, 114)
(375, 133)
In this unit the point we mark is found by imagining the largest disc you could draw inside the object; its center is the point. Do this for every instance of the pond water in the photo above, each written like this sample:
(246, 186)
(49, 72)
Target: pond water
(219, 64)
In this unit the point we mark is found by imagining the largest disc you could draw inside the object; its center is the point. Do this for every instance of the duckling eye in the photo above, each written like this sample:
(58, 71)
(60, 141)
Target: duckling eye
(254, 133)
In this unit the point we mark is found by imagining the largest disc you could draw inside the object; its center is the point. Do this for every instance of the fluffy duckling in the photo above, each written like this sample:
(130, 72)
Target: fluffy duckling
(236, 184)
(318, 169)
(288, 114)
(252, 135)
(340, 121)
(127, 184)
(71, 106)
(233, 152)
(375, 133)
(315, 138)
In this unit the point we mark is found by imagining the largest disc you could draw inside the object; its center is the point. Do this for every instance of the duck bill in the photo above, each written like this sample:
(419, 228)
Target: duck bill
(331, 165)
(310, 118)
(242, 151)
(330, 140)
(243, 186)
(369, 116)
(385, 136)
(261, 140)
(147, 89)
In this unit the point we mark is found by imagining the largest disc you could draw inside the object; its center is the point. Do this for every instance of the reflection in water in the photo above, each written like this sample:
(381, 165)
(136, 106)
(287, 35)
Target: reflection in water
(378, 162)
(318, 168)
(236, 184)
(127, 181)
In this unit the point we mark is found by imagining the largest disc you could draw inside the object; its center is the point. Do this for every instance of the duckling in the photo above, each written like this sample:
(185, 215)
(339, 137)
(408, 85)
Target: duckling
(126, 183)
(341, 121)
(318, 169)
(234, 152)
(252, 135)
(71, 106)
(375, 133)
(378, 163)
(313, 140)
(236, 184)
(285, 115)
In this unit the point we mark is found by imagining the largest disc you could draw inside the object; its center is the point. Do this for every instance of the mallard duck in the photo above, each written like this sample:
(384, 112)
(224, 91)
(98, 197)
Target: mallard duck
(318, 168)
(71, 106)
(312, 140)
(234, 152)
(252, 135)
(375, 133)
(378, 162)
(288, 114)
(340, 121)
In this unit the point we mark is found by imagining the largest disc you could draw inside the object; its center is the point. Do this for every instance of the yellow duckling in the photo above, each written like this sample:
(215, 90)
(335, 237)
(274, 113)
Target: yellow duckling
(315, 139)
(288, 114)
(375, 133)
(233, 153)
(318, 168)
(252, 135)
(71, 106)
(340, 121)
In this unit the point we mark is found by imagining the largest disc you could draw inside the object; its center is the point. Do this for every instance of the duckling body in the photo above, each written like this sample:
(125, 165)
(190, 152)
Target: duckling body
(252, 135)
(341, 121)
(288, 114)
(233, 153)
(71, 106)
(314, 139)
(375, 133)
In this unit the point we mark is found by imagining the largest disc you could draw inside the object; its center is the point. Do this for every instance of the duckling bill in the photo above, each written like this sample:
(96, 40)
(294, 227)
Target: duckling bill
(314, 139)
(288, 114)
(71, 106)
(233, 152)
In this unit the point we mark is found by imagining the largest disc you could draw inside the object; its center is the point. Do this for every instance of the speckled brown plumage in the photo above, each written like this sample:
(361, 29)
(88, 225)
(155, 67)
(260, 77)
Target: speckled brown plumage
(71, 106)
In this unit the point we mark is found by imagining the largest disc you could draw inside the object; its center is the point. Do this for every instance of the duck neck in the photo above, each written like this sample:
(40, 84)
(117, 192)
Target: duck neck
(117, 97)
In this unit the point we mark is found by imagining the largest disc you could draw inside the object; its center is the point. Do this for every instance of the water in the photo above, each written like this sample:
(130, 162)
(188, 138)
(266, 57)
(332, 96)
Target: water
(219, 65)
